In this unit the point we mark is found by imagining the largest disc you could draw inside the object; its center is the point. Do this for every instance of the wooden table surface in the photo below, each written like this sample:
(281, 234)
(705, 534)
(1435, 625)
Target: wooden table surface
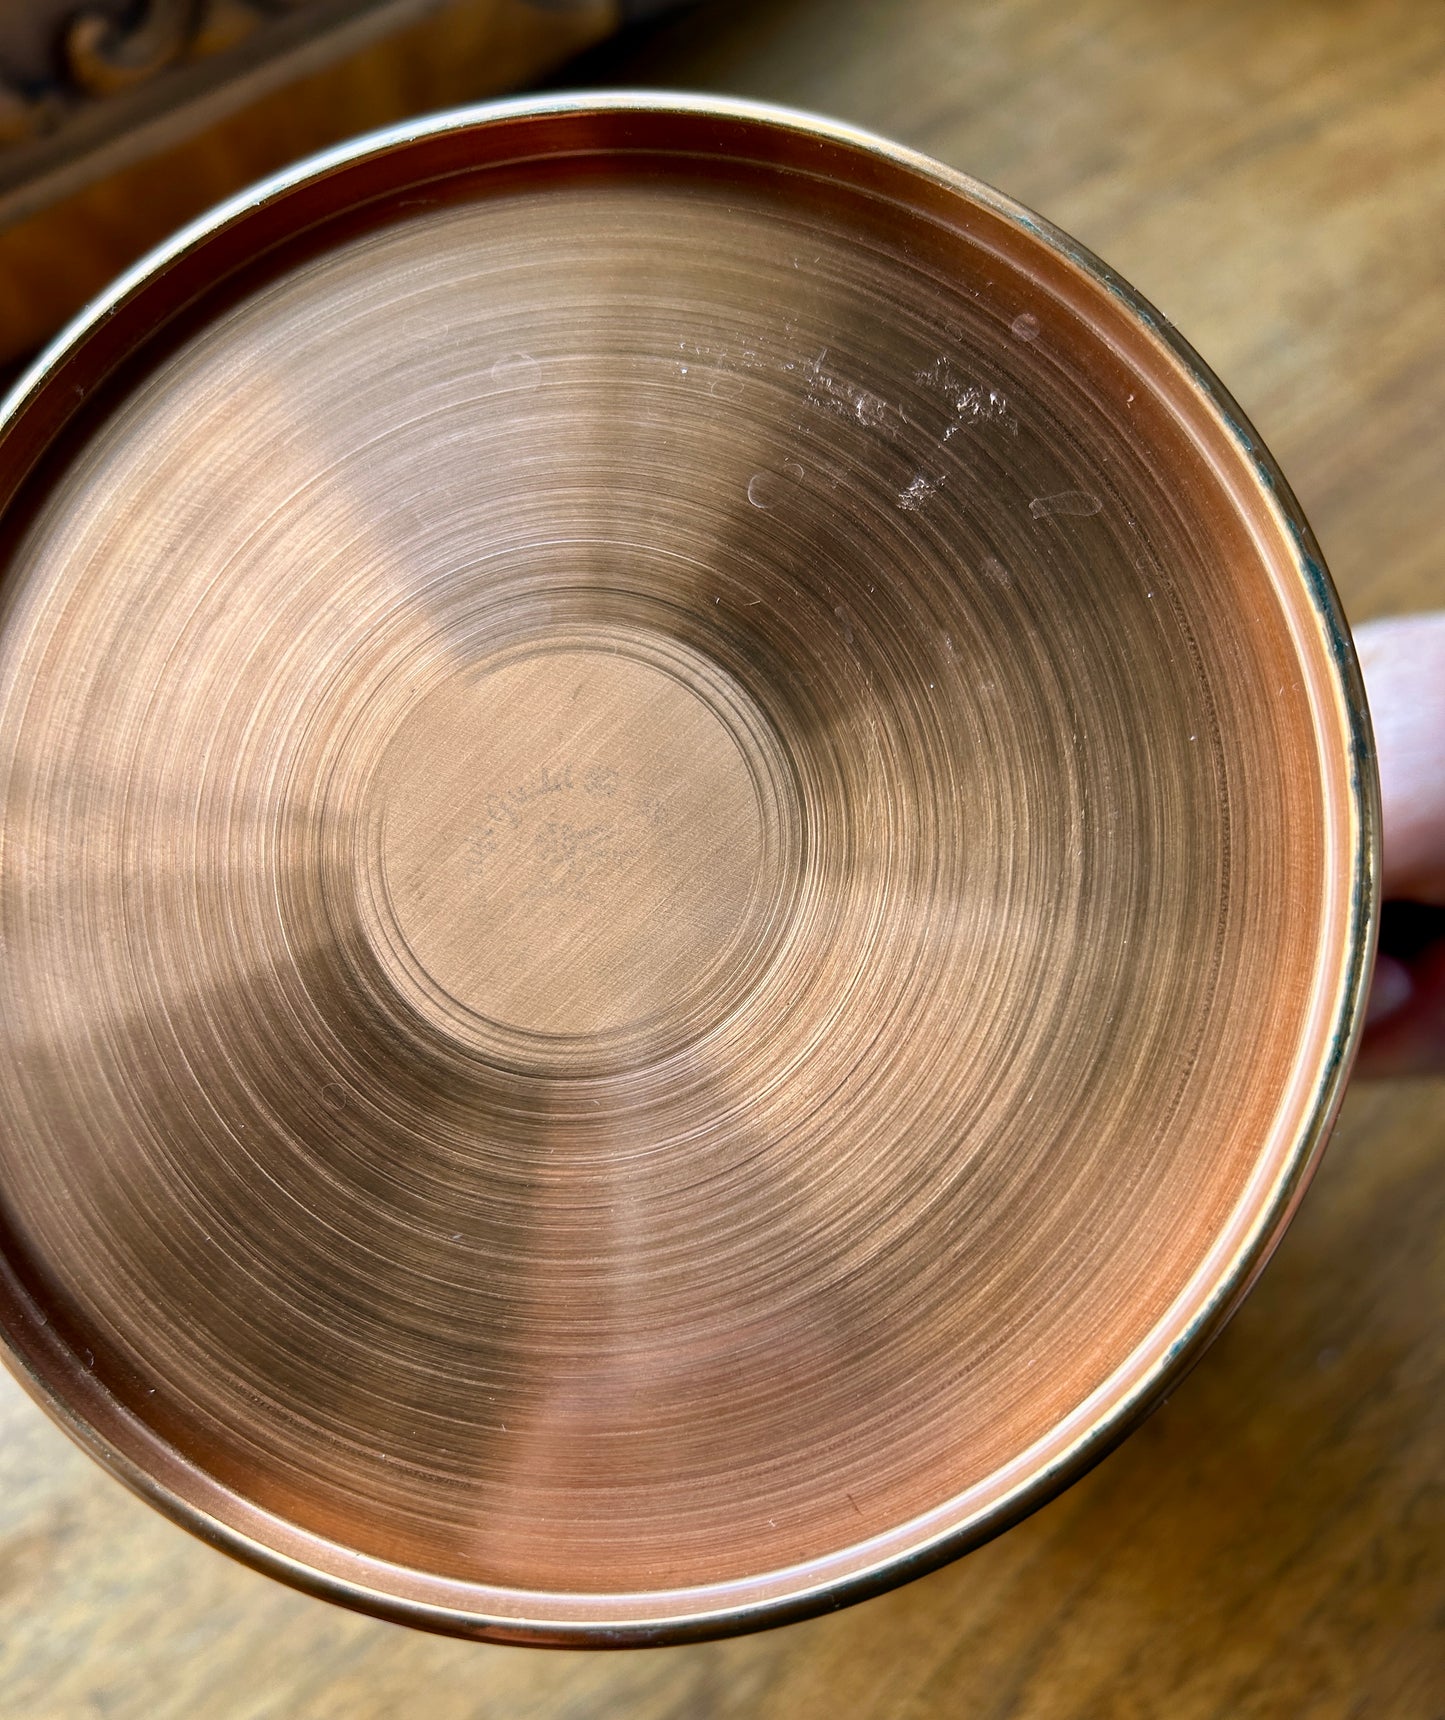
(1272, 174)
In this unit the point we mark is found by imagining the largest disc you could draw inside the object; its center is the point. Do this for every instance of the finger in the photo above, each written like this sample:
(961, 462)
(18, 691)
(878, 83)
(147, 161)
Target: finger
(1405, 1030)
(1403, 661)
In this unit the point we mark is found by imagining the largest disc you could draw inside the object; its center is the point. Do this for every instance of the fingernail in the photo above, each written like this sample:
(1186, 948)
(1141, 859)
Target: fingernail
(1390, 992)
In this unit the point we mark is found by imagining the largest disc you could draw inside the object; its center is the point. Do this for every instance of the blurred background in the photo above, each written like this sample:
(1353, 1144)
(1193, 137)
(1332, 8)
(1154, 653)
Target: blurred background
(1272, 174)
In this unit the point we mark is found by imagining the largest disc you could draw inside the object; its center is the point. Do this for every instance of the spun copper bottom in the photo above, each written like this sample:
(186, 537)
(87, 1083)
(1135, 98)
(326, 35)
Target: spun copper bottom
(688, 855)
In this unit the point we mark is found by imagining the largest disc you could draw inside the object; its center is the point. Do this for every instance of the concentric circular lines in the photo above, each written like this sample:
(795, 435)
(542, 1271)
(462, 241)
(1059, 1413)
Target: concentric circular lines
(687, 860)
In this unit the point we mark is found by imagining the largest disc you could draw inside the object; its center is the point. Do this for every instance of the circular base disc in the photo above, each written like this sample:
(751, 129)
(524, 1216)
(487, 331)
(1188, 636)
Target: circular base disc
(685, 873)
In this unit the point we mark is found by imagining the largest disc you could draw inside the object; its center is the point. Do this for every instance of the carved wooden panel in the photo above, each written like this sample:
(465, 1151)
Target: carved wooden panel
(120, 121)
(98, 52)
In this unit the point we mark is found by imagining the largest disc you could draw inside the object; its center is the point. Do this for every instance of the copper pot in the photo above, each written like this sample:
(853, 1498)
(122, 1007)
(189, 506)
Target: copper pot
(689, 867)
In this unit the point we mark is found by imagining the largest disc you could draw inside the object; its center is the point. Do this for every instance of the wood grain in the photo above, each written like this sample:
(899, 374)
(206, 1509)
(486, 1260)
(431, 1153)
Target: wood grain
(1273, 175)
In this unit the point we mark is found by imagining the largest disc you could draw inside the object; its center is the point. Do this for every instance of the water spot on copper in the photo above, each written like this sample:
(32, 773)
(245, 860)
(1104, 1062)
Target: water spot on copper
(517, 370)
(969, 401)
(1079, 503)
(833, 391)
(920, 489)
(771, 489)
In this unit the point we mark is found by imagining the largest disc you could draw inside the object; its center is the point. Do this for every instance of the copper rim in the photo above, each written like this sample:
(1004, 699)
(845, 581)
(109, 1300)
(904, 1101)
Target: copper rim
(980, 362)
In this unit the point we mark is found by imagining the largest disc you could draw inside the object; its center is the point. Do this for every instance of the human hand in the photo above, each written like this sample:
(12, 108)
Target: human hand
(1404, 667)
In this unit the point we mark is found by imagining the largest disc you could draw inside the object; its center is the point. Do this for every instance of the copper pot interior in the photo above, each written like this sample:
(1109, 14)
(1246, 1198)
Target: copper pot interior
(677, 840)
